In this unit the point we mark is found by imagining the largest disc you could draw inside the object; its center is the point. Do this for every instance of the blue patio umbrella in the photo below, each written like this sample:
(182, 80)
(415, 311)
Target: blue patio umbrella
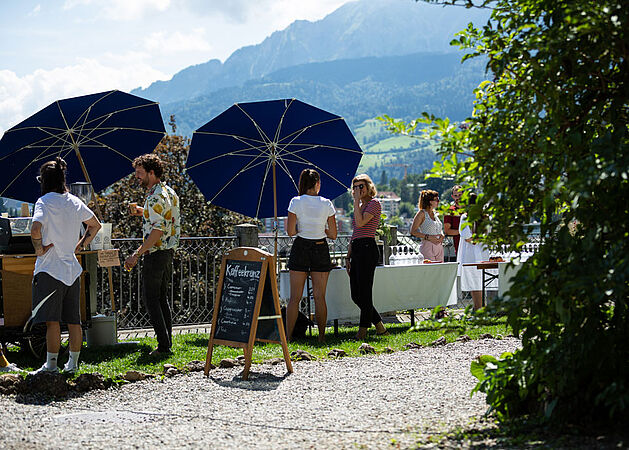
(98, 135)
(248, 158)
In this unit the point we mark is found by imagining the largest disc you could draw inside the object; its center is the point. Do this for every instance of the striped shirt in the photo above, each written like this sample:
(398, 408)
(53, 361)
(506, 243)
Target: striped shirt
(368, 230)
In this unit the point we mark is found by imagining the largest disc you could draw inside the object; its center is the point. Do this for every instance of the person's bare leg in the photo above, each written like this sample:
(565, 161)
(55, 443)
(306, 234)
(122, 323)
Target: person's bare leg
(477, 299)
(53, 337)
(297, 281)
(76, 337)
(319, 285)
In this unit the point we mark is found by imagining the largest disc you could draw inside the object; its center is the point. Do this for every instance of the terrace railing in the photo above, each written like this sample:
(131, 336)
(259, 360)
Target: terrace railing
(197, 264)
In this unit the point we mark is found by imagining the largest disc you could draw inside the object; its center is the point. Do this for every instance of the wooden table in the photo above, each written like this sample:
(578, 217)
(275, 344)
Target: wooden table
(487, 277)
(16, 281)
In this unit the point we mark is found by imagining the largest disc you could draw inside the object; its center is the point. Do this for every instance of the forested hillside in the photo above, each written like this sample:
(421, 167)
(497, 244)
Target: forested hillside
(358, 89)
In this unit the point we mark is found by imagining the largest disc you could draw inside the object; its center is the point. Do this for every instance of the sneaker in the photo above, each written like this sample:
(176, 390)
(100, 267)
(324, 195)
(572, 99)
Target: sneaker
(10, 368)
(70, 369)
(43, 369)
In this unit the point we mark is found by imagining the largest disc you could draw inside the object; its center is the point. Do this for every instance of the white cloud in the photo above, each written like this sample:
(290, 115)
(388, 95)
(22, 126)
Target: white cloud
(122, 9)
(69, 4)
(278, 11)
(35, 10)
(133, 10)
(162, 41)
(21, 97)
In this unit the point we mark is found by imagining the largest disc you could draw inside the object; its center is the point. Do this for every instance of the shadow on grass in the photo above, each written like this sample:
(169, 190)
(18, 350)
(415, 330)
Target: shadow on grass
(196, 340)
(105, 353)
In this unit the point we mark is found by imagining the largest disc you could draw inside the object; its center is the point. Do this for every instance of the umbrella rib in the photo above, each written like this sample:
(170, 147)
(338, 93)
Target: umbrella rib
(33, 145)
(243, 169)
(86, 111)
(282, 163)
(266, 174)
(279, 125)
(21, 172)
(239, 152)
(103, 145)
(301, 130)
(105, 117)
(312, 146)
(85, 114)
(320, 169)
(236, 136)
(263, 135)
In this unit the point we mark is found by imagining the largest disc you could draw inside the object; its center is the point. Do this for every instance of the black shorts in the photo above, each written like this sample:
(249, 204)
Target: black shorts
(310, 255)
(62, 302)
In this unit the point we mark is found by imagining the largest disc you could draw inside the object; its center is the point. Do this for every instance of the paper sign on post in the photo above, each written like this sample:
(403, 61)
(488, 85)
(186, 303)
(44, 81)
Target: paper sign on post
(108, 258)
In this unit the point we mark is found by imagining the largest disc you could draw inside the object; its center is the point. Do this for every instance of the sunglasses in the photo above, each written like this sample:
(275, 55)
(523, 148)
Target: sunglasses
(358, 186)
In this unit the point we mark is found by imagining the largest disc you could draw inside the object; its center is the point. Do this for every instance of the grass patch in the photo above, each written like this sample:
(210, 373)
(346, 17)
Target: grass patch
(113, 360)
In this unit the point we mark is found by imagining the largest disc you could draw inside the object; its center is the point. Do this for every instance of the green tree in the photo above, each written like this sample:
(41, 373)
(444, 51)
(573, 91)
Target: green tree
(405, 191)
(548, 139)
(383, 177)
(407, 209)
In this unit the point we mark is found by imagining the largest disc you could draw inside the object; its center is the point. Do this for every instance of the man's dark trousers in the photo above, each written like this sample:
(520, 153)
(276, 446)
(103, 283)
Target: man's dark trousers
(156, 274)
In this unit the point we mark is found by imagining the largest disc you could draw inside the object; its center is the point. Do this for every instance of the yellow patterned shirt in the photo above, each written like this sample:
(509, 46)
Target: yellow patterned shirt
(161, 212)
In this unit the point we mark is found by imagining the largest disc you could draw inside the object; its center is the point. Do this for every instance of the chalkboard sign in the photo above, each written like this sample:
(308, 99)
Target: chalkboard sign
(267, 329)
(247, 307)
(238, 300)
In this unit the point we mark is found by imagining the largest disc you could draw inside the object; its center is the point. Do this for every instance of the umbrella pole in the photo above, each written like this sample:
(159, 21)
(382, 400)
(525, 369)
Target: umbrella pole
(99, 214)
(275, 211)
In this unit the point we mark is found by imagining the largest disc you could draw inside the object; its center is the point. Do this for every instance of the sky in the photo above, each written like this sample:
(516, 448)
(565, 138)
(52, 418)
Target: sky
(55, 49)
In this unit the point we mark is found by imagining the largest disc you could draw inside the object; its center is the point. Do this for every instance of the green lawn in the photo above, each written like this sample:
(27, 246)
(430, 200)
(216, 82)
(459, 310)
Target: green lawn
(113, 360)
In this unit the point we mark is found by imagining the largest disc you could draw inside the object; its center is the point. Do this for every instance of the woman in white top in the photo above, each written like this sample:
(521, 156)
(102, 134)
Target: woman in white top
(312, 219)
(427, 226)
(470, 252)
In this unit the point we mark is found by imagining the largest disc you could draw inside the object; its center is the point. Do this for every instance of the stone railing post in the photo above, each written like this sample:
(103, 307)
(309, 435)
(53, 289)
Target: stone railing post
(246, 235)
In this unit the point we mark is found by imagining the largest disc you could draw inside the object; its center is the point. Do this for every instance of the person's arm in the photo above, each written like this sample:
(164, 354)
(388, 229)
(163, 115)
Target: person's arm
(36, 239)
(138, 211)
(93, 225)
(331, 230)
(152, 239)
(360, 218)
(291, 226)
(347, 258)
(417, 222)
(447, 227)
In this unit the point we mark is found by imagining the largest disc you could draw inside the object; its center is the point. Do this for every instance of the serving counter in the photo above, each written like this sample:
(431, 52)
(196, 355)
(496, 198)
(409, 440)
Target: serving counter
(16, 276)
(395, 288)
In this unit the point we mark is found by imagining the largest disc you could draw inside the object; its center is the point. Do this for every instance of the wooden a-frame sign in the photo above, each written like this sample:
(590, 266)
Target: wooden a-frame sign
(247, 306)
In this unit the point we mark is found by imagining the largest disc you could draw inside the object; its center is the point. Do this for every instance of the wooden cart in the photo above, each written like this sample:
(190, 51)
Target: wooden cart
(16, 276)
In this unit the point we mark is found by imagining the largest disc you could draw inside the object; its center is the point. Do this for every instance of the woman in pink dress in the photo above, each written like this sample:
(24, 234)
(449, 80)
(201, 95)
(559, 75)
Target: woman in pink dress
(427, 226)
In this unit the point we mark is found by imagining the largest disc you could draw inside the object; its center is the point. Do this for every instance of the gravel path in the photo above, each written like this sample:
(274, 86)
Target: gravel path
(341, 403)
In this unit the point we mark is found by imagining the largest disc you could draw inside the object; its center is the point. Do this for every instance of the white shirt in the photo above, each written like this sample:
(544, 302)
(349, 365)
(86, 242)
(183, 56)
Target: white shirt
(312, 213)
(468, 252)
(61, 216)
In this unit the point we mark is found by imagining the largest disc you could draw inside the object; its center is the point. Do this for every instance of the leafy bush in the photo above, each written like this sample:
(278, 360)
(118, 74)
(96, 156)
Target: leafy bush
(548, 141)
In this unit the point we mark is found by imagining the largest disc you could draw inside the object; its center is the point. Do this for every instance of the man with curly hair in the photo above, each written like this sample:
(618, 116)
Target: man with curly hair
(160, 231)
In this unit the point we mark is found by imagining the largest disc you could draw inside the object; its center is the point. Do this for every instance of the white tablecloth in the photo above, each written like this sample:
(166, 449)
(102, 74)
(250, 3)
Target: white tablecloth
(396, 288)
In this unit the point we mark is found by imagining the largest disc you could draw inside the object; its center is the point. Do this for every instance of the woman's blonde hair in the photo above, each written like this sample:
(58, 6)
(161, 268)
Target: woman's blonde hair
(371, 188)
(426, 197)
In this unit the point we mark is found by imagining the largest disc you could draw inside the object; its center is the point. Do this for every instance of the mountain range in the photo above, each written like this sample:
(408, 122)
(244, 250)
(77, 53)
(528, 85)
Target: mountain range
(355, 30)
(367, 58)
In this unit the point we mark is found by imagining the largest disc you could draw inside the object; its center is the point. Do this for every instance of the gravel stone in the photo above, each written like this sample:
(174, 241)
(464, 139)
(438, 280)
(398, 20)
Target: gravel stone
(372, 401)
